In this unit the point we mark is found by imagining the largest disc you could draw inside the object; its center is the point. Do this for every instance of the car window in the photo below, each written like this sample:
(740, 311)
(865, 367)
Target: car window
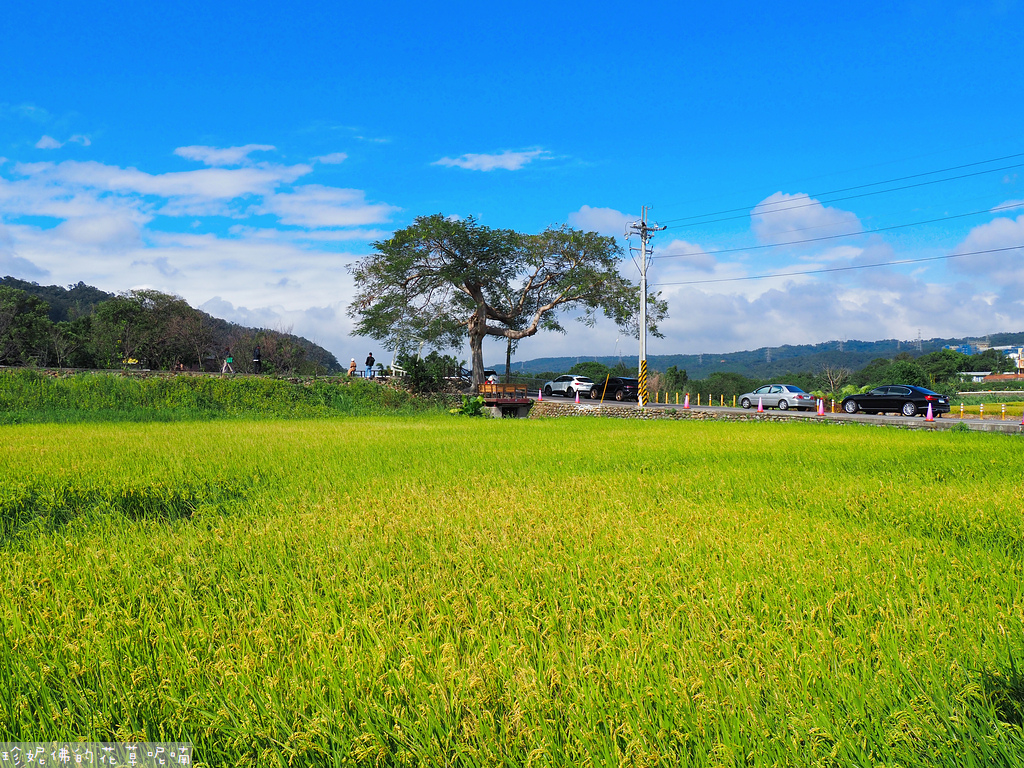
(899, 390)
(762, 390)
(584, 380)
(879, 391)
(563, 378)
(776, 389)
(791, 388)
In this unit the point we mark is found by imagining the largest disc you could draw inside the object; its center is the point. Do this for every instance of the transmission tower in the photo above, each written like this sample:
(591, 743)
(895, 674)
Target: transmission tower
(644, 230)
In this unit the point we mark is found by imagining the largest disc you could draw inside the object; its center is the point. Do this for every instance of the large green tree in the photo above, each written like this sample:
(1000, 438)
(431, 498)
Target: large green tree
(24, 328)
(444, 281)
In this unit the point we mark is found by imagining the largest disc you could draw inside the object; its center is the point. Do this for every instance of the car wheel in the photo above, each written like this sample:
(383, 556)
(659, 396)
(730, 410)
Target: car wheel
(783, 405)
(547, 391)
(745, 402)
(850, 406)
(909, 409)
(620, 395)
(594, 394)
(568, 392)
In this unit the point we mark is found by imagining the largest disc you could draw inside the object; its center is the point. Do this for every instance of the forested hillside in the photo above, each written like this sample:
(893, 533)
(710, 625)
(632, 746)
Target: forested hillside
(84, 327)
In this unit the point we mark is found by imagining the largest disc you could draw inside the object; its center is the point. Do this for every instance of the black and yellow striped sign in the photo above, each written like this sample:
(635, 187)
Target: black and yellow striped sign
(642, 389)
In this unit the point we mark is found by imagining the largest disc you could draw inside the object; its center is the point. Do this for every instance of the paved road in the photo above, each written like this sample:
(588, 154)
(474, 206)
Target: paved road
(947, 421)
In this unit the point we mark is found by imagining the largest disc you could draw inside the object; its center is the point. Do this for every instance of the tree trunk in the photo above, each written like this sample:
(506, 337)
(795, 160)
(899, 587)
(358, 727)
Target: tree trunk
(477, 331)
(508, 361)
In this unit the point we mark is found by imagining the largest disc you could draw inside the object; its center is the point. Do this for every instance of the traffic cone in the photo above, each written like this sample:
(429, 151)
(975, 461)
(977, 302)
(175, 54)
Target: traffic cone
(577, 397)
(760, 406)
(686, 401)
(821, 407)
(929, 417)
(540, 395)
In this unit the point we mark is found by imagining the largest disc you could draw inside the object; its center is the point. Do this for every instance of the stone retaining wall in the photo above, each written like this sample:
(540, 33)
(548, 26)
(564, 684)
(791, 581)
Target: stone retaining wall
(551, 409)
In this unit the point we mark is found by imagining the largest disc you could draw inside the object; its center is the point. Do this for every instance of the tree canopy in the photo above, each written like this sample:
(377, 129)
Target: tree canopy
(142, 327)
(443, 281)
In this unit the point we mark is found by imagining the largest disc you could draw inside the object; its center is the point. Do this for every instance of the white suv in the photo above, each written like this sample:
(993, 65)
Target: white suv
(568, 385)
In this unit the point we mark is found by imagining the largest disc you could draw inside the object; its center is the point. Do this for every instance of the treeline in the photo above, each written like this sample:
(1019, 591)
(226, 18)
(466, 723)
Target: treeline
(83, 327)
(939, 370)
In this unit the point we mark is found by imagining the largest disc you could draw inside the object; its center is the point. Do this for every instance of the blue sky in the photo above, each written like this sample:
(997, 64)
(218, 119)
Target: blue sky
(241, 155)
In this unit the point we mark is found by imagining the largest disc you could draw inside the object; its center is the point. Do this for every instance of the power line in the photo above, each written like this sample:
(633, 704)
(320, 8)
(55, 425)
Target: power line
(843, 269)
(862, 168)
(756, 212)
(864, 186)
(1007, 206)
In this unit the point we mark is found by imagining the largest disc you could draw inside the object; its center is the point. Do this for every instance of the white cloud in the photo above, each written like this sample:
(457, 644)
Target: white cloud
(27, 111)
(334, 158)
(314, 205)
(113, 232)
(48, 142)
(606, 221)
(11, 263)
(316, 235)
(187, 187)
(689, 256)
(507, 160)
(225, 156)
(1006, 266)
(782, 218)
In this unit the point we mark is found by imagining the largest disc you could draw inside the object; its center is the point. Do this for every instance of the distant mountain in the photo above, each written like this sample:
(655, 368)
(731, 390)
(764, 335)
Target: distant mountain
(773, 362)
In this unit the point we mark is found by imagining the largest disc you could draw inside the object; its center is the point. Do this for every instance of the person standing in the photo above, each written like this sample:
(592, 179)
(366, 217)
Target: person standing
(352, 367)
(257, 362)
(369, 365)
(228, 360)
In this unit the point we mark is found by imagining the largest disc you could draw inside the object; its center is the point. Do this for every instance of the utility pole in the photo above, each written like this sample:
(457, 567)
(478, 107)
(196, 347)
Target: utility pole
(641, 228)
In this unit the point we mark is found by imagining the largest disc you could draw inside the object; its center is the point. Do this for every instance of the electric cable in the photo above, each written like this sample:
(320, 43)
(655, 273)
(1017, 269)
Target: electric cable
(1007, 206)
(755, 211)
(842, 269)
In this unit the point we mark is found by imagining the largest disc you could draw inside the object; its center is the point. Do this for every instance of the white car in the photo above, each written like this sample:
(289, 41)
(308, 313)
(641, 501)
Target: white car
(568, 385)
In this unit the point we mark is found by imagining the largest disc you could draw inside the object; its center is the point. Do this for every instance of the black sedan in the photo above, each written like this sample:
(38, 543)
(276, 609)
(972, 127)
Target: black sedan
(618, 388)
(899, 399)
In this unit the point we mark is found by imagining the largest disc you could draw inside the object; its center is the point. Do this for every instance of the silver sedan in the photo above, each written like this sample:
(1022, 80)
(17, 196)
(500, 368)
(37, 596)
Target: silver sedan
(781, 396)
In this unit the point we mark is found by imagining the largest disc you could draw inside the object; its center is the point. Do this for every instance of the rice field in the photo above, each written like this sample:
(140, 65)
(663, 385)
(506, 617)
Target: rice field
(1007, 410)
(433, 590)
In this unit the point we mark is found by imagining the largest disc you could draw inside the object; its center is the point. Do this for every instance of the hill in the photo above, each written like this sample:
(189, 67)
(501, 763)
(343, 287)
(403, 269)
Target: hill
(78, 305)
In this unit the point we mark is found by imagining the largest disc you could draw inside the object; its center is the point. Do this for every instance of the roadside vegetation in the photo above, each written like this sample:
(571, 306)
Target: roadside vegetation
(32, 396)
(582, 592)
